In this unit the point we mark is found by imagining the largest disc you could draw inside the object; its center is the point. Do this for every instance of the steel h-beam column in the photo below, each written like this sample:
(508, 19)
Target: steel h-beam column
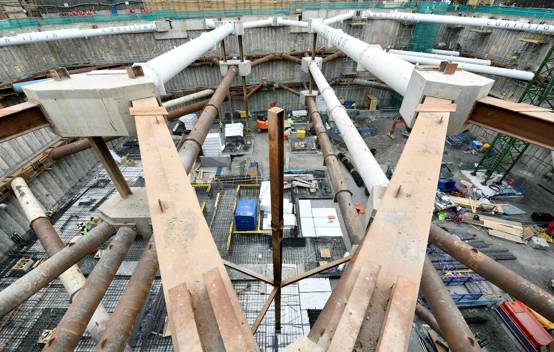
(243, 78)
(276, 118)
(103, 153)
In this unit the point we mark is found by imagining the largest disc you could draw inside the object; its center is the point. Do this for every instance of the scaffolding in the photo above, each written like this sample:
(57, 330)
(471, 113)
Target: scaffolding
(505, 151)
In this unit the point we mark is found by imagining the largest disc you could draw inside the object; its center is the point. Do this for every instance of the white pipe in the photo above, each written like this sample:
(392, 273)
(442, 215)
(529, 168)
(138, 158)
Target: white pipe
(72, 279)
(166, 66)
(463, 21)
(445, 52)
(185, 99)
(339, 18)
(258, 23)
(365, 163)
(442, 57)
(73, 33)
(286, 22)
(389, 68)
(491, 70)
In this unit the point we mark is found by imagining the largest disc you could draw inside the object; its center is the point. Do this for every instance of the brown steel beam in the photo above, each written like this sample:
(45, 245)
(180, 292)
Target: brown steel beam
(288, 89)
(532, 295)
(396, 240)
(33, 281)
(254, 90)
(264, 310)
(276, 119)
(342, 194)
(120, 326)
(243, 78)
(334, 56)
(192, 144)
(532, 124)
(73, 324)
(103, 153)
(185, 247)
(315, 271)
(246, 271)
(452, 325)
(17, 120)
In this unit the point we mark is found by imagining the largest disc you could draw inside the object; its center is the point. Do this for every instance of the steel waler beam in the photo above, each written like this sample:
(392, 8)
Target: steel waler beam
(72, 326)
(33, 281)
(342, 194)
(276, 119)
(72, 279)
(452, 325)
(192, 144)
(19, 119)
(522, 289)
(123, 319)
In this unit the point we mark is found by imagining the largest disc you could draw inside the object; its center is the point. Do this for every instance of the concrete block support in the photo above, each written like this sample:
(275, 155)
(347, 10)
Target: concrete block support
(463, 87)
(131, 211)
(245, 67)
(91, 104)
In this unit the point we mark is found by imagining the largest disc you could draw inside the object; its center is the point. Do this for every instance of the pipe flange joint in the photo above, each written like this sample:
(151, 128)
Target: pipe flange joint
(341, 190)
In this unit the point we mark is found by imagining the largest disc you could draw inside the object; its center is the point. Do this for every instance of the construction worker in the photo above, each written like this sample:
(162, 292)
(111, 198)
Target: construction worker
(83, 228)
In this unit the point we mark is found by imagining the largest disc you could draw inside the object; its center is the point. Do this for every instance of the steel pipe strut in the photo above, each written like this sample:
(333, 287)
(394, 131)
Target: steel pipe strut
(193, 142)
(532, 295)
(72, 279)
(365, 163)
(451, 322)
(185, 99)
(390, 69)
(428, 317)
(342, 194)
(58, 263)
(72, 326)
(120, 326)
(73, 148)
(441, 57)
(171, 115)
(166, 66)
(459, 20)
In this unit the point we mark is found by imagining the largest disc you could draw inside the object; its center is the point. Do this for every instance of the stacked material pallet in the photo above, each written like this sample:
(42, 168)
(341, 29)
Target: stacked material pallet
(505, 229)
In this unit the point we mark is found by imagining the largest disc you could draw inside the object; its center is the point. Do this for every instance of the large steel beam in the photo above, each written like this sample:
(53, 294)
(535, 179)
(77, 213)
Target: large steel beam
(17, 120)
(75, 320)
(32, 282)
(396, 241)
(123, 319)
(514, 284)
(276, 119)
(532, 124)
(185, 247)
(452, 325)
(192, 144)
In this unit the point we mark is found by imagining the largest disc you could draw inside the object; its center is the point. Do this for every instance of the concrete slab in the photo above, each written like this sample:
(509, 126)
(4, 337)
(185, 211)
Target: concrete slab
(130, 211)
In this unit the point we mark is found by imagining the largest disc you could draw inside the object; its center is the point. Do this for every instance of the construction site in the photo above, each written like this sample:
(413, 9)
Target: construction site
(277, 176)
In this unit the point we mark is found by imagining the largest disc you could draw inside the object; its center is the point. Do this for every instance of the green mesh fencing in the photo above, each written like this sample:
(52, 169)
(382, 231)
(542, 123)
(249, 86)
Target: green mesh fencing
(423, 7)
(424, 35)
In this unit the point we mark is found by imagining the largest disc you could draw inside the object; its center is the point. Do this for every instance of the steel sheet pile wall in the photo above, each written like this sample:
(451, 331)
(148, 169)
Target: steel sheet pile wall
(50, 187)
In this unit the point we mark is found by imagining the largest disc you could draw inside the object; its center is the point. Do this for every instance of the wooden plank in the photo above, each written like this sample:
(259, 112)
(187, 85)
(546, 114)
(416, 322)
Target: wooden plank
(353, 315)
(503, 228)
(506, 236)
(184, 244)
(397, 237)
